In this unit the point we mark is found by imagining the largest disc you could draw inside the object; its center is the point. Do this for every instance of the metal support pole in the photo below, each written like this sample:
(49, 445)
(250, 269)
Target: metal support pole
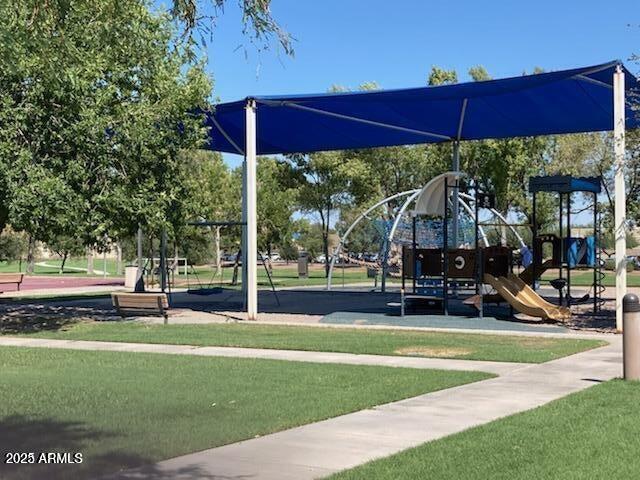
(620, 194)
(163, 260)
(243, 239)
(534, 234)
(250, 259)
(595, 250)
(562, 252)
(139, 286)
(479, 259)
(455, 166)
(415, 254)
(477, 240)
(445, 249)
(631, 337)
(567, 251)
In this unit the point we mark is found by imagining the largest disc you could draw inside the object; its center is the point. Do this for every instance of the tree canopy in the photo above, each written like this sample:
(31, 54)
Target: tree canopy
(95, 107)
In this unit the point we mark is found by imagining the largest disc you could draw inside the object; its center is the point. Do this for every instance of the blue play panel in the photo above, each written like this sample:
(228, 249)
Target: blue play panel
(437, 321)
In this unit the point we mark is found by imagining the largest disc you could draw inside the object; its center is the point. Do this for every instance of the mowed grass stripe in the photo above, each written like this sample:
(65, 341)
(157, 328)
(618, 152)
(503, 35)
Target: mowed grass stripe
(501, 348)
(126, 409)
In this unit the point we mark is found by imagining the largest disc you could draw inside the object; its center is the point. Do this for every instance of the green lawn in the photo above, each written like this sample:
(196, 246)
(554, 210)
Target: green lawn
(125, 409)
(585, 278)
(382, 342)
(73, 267)
(283, 276)
(588, 435)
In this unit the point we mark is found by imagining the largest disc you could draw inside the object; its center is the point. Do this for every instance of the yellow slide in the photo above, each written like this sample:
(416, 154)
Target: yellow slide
(520, 285)
(524, 299)
(526, 276)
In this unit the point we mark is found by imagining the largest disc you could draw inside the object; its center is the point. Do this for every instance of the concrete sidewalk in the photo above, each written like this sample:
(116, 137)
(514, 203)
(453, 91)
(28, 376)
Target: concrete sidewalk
(498, 368)
(319, 449)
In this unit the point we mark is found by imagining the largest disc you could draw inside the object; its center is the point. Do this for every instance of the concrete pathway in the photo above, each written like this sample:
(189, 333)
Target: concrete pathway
(498, 368)
(73, 269)
(322, 448)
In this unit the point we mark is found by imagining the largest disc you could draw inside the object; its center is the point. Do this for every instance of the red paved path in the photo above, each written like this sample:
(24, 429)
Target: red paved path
(43, 282)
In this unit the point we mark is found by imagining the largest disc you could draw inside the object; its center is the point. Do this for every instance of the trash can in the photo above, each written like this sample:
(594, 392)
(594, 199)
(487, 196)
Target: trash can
(303, 265)
(130, 276)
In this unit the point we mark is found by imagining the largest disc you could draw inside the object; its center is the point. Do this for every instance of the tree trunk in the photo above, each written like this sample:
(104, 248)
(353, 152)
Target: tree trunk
(65, 255)
(90, 270)
(234, 279)
(218, 256)
(31, 256)
(118, 259)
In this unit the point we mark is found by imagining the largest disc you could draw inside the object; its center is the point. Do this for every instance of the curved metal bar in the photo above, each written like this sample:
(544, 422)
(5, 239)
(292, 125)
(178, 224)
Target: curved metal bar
(353, 225)
(470, 211)
(502, 219)
(396, 221)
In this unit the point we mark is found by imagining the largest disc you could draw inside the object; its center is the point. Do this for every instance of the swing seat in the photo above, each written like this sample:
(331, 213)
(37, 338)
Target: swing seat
(204, 291)
(581, 299)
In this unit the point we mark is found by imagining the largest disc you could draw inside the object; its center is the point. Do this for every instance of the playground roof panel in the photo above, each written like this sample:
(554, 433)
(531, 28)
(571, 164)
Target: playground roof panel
(564, 184)
(568, 101)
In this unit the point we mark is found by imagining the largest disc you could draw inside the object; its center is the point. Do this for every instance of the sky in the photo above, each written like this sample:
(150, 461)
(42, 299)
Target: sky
(395, 43)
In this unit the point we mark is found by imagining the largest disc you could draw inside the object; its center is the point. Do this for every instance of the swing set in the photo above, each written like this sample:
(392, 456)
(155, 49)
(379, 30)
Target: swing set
(210, 288)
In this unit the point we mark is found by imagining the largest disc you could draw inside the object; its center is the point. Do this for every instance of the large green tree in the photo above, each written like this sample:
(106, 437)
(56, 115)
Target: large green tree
(327, 182)
(97, 100)
(277, 195)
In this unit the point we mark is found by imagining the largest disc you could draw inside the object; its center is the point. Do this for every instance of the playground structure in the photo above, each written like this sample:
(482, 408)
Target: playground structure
(587, 99)
(431, 192)
(568, 252)
(450, 264)
(441, 271)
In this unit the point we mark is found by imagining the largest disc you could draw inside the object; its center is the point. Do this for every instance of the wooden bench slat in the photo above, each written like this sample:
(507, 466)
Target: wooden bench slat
(11, 277)
(141, 303)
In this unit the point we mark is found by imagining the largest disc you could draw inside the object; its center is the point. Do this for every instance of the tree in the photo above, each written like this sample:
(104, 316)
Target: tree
(288, 250)
(13, 245)
(479, 74)
(365, 237)
(439, 76)
(93, 119)
(200, 16)
(65, 246)
(277, 192)
(257, 20)
(504, 167)
(310, 236)
(327, 181)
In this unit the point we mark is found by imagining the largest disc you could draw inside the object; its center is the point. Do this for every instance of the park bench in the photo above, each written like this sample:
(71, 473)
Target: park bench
(9, 279)
(128, 304)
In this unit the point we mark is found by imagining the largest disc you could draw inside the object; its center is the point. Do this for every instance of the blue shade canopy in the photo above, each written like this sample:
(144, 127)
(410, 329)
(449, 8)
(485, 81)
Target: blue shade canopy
(568, 101)
(565, 184)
